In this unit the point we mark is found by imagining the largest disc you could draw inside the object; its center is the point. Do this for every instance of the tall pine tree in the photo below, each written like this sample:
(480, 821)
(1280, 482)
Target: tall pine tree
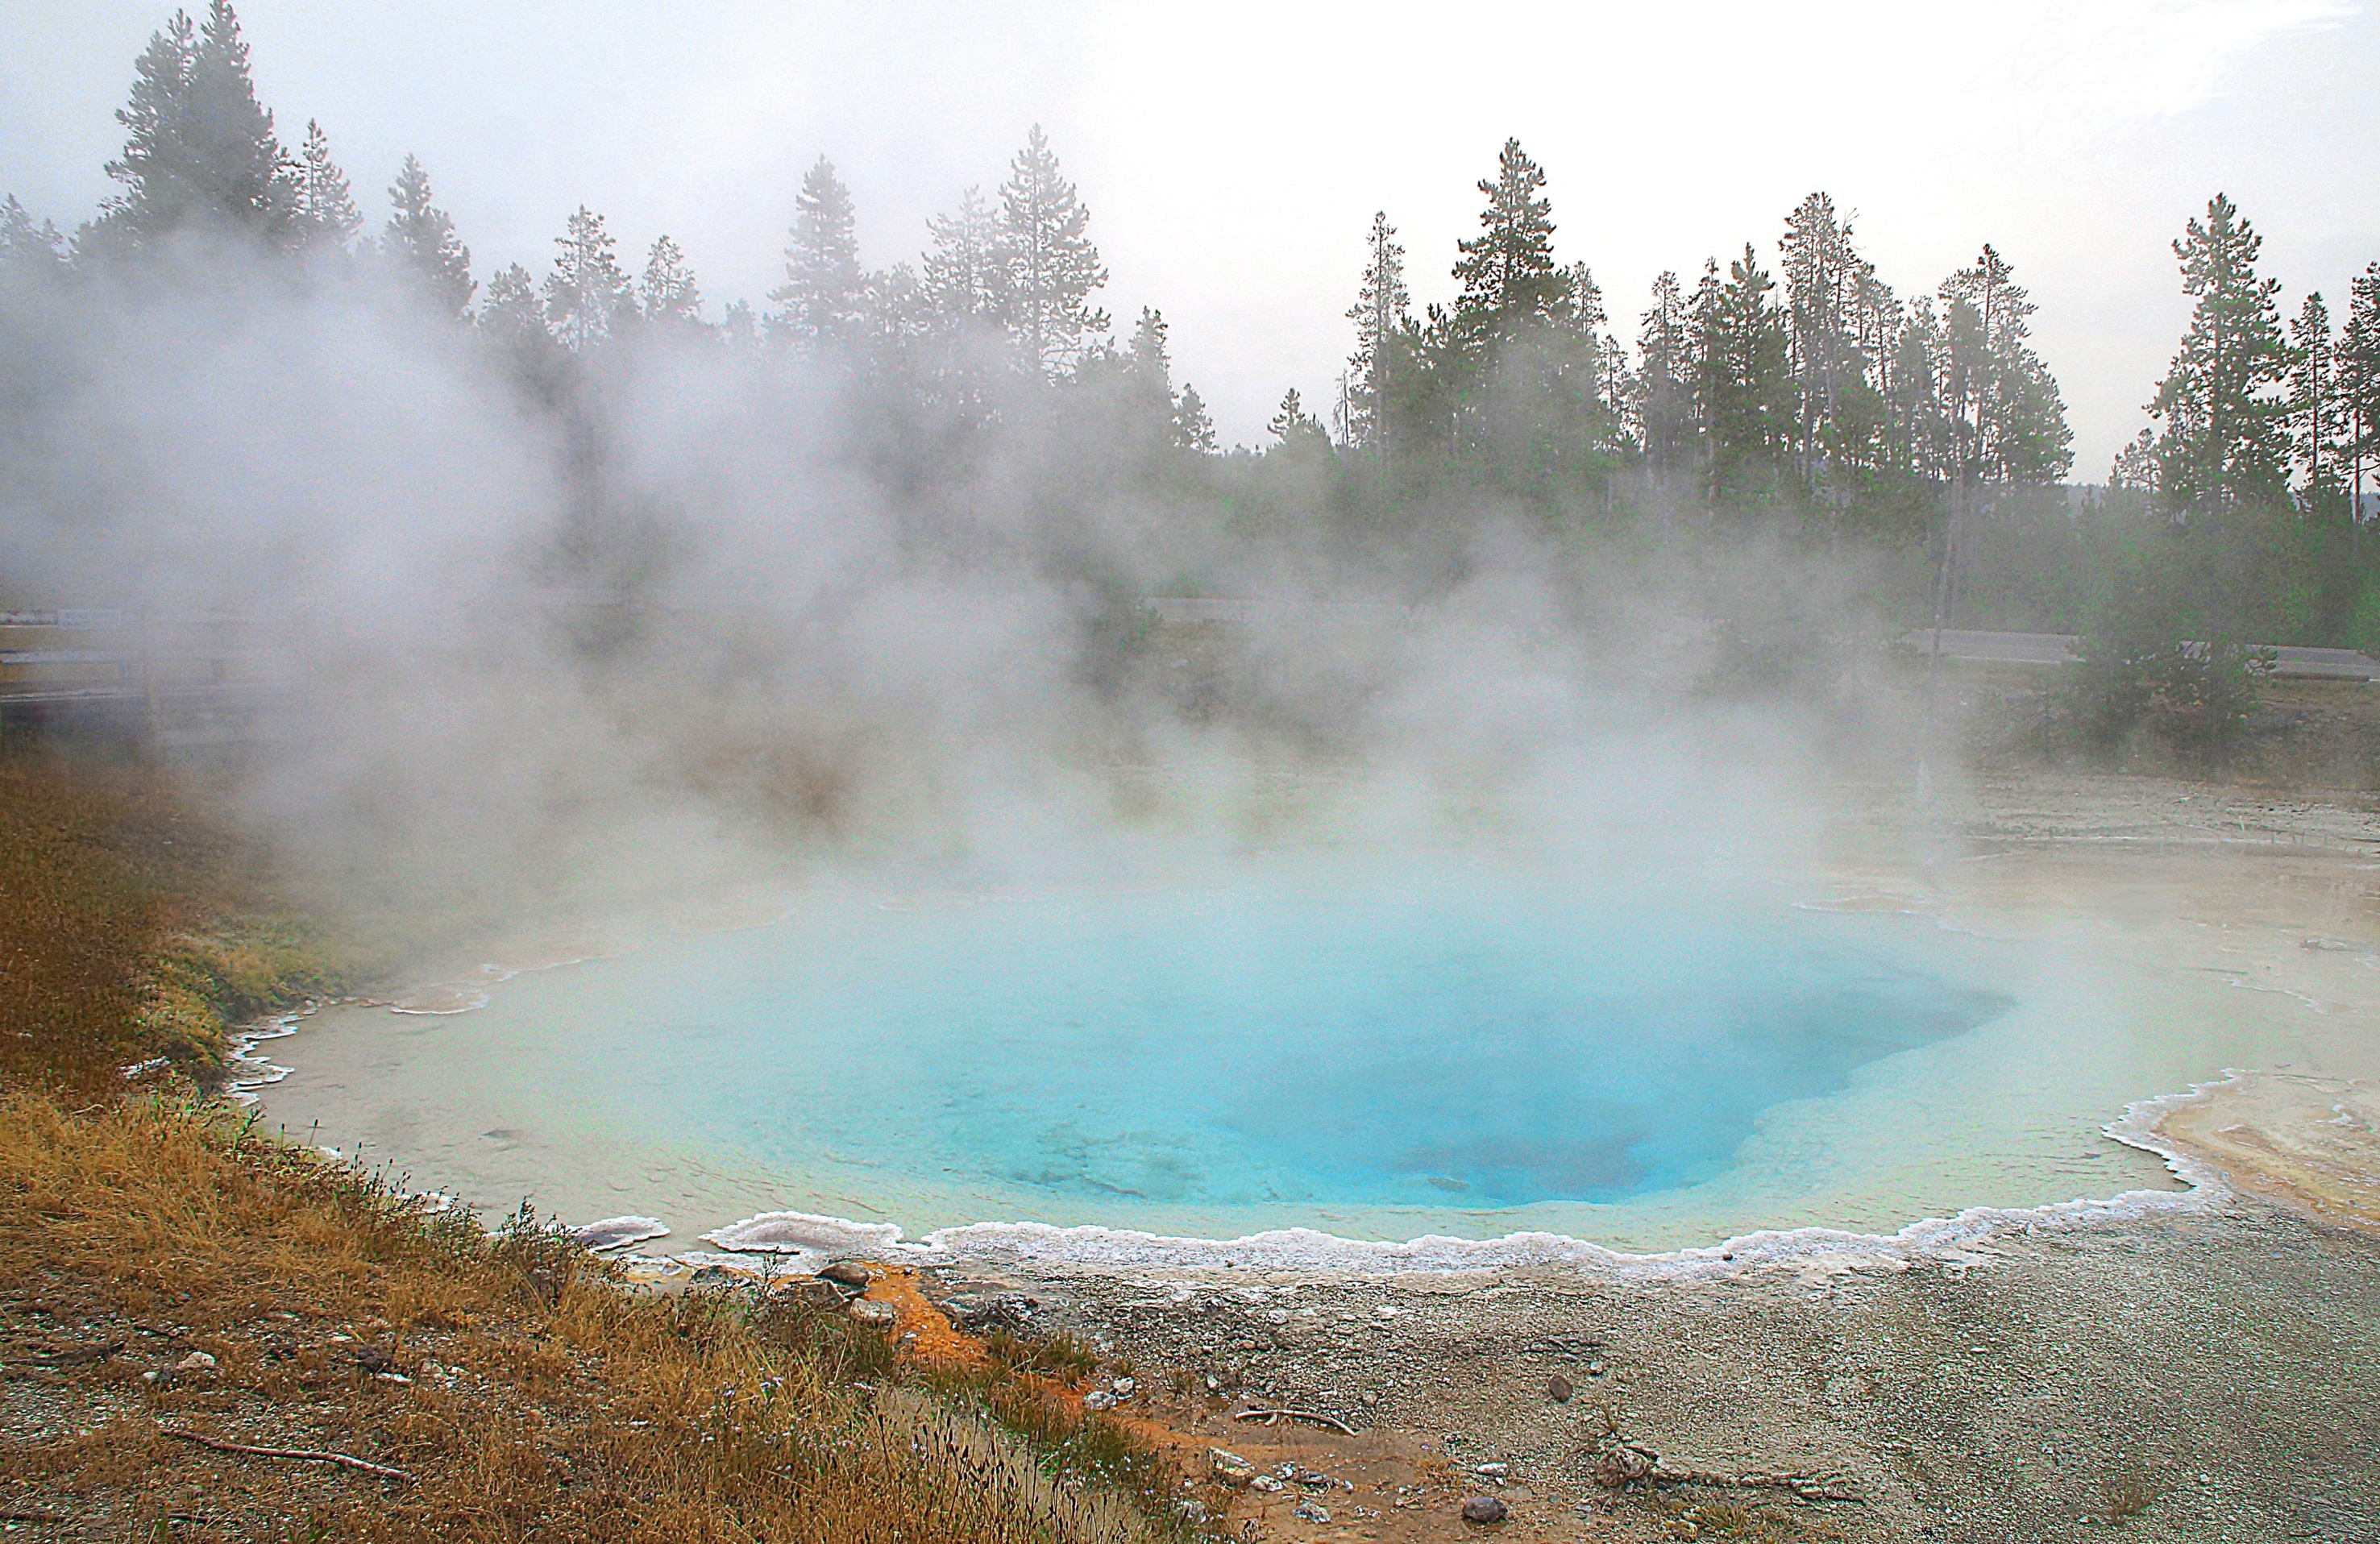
(586, 292)
(667, 296)
(420, 238)
(1382, 305)
(2359, 382)
(962, 275)
(2224, 439)
(1050, 267)
(825, 287)
(1511, 284)
(2316, 429)
(325, 213)
(201, 153)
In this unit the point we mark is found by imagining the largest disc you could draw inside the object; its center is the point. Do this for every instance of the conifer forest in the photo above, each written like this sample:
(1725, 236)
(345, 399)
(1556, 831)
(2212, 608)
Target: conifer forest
(1784, 390)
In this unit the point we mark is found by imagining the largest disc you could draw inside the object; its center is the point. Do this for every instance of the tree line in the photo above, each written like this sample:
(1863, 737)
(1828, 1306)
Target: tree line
(1805, 394)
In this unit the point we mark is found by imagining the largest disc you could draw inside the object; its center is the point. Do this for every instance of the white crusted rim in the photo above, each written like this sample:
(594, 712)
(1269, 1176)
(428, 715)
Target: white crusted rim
(812, 1235)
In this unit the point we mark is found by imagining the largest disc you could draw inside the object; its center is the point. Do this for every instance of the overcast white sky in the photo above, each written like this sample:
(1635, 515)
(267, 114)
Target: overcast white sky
(1232, 154)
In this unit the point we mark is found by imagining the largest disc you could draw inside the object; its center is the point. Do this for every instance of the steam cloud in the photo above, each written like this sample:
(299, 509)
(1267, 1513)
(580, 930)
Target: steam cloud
(724, 609)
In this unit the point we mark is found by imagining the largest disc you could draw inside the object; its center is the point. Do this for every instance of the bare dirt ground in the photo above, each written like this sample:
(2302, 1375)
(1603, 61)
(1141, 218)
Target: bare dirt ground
(2208, 1378)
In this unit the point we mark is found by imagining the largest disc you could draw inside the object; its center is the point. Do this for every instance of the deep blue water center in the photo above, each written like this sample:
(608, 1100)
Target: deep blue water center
(1474, 1043)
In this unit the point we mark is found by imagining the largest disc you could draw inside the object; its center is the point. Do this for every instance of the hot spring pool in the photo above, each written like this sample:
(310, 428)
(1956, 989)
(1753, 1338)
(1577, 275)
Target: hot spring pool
(1360, 1052)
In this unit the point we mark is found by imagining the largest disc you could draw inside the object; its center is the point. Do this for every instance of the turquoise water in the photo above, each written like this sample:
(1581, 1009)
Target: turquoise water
(1220, 1048)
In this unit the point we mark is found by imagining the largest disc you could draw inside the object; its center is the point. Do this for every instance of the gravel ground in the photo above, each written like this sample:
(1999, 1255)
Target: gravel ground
(2223, 1370)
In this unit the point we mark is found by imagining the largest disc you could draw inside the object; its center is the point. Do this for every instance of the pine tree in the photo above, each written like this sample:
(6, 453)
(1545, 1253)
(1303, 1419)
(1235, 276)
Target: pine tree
(201, 149)
(1820, 269)
(325, 209)
(667, 296)
(740, 328)
(1193, 430)
(824, 286)
(1050, 267)
(26, 247)
(963, 276)
(2358, 380)
(2225, 441)
(510, 312)
(1295, 430)
(1745, 391)
(1511, 283)
(246, 168)
(160, 182)
(420, 239)
(2135, 466)
(1150, 361)
(2005, 406)
(585, 293)
(1382, 304)
(1665, 403)
(2315, 426)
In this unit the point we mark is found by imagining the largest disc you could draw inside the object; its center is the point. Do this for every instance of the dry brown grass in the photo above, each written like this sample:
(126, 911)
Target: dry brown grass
(528, 1393)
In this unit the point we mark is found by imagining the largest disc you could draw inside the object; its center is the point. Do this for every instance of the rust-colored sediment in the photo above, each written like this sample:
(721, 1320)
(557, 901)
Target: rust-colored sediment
(2309, 1144)
(937, 1339)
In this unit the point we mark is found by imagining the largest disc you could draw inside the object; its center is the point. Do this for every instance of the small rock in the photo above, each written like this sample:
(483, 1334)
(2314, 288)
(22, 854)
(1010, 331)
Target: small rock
(1371, 1400)
(1099, 1399)
(847, 1272)
(813, 1292)
(374, 1358)
(1595, 1369)
(1123, 1388)
(1312, 1480)
(1230, 1468)
(162, 1376)
(196, 1361)
(1492, 1471)
(875, 1316)
(1264, 1482)
(1559, 1389)
(1484, 1509)
(1308, 1511)
(390, 1378)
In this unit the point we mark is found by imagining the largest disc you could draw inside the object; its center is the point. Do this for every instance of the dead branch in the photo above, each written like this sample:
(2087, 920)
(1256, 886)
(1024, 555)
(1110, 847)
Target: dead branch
(305, 1454)
(1274, 1417)
(1810, 1488)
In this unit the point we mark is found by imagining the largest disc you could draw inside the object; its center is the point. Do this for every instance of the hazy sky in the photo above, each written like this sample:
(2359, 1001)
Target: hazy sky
(1232, 153)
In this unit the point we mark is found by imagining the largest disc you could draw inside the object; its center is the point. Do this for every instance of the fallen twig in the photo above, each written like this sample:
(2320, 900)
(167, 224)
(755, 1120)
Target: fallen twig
(1810, 1488)
(14, 1514)
(1274, 1417)
(306, 1454)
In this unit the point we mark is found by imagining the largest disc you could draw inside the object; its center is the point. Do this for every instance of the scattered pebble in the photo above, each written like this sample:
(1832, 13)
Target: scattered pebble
(1309, 1512)
(875, 1316)
(1484, 1509)
(1557, 1387)
(196, 1361)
